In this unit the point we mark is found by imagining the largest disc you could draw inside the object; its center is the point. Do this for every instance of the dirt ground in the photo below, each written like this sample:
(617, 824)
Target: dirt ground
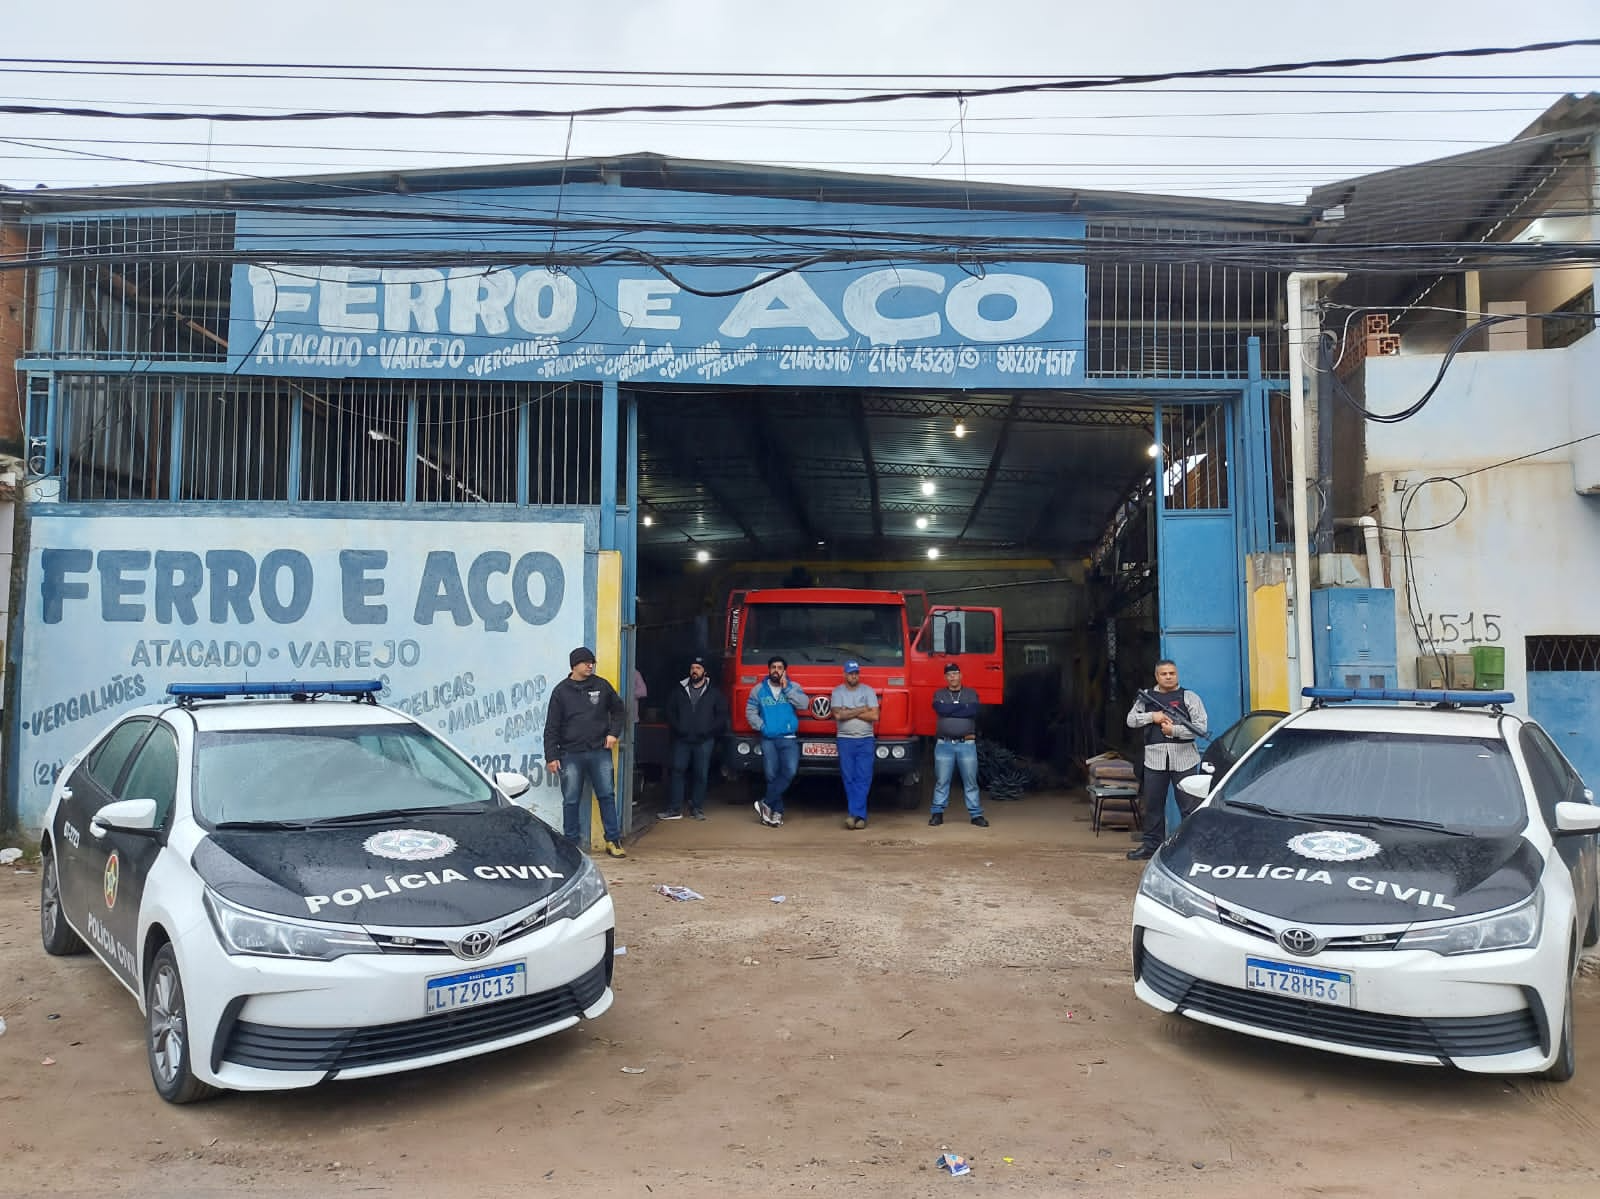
(917, 989)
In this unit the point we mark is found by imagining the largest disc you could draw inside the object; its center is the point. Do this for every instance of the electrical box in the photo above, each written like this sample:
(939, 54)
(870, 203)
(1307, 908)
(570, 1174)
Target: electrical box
(1353, 636)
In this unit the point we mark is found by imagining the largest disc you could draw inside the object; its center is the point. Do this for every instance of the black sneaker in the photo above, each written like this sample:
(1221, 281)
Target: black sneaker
(1141, 854)
(936, 819)
(980, 821)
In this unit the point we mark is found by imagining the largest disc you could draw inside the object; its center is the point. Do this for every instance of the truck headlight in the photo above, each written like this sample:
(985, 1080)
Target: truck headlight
(578, 896)
(1517, 928)
(883, 752)
(743, 747)
(1161, 885)
(242, 931)
(898, 751)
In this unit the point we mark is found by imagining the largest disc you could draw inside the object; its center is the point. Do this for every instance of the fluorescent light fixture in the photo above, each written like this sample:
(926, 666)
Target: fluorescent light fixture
(928, 487)
(933, 551)
(922, 522)
(702, 555)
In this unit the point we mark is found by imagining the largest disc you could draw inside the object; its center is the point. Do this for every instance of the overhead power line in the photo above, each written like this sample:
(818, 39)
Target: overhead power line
(945, 93)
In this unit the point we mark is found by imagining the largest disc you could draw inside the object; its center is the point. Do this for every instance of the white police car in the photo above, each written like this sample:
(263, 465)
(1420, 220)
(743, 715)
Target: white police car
(299, 884)
(1405, 883)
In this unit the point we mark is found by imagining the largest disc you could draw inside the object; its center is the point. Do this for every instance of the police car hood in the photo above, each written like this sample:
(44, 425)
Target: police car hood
(1319, 873)
(435, 870)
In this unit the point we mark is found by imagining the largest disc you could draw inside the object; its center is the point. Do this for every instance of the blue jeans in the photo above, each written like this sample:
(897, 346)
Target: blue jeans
(591, 766)
(780, 762)
(692, 756)
(947, 755)
(855, 768)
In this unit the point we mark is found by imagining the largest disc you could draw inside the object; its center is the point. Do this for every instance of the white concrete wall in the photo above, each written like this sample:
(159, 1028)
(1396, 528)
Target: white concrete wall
(1523, 559)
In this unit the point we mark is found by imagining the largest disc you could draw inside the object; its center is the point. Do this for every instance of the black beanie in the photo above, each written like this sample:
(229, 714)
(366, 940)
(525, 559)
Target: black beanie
(582, 654)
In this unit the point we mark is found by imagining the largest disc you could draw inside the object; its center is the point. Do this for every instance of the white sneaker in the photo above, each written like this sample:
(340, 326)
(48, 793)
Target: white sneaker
(763, 811)
(777, 819)
(669, 815)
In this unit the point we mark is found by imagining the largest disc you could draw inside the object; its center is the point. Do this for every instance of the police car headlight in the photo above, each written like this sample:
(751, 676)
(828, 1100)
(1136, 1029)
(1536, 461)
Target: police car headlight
(1517, 928)
(1169, 891)
(578, 896)
(242, 931)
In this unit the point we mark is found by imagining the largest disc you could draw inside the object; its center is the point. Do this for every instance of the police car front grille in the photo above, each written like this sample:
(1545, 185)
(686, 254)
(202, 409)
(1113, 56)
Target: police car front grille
(1245, 923)
(405, 943)
(266, 1047)
(1442, 1037)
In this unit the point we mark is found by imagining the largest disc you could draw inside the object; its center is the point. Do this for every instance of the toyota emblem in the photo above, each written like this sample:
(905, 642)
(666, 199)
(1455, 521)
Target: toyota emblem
(820, 707)
(475, 944)
(1300, 941)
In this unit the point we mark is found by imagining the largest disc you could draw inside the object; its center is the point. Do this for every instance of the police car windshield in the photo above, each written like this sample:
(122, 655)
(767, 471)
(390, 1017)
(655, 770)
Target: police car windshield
(873, 634)
(248, 776)
(1457, 782)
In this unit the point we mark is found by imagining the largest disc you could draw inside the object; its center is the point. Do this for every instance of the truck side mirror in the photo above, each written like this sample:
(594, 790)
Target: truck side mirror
(952, 637)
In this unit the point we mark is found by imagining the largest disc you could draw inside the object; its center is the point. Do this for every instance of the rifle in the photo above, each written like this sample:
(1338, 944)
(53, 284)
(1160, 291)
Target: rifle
(1177, 714)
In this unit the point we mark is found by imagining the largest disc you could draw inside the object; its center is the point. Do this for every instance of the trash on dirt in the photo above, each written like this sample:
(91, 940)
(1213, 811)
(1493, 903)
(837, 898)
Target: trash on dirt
(672, 892)
(49, 1061)
(955, 1163)
(621, 951)
(633, 1069)
(751, 962)
(2, 1028)
(9, 855)
(779, 898)
(53, 1016)
(1010, 1161)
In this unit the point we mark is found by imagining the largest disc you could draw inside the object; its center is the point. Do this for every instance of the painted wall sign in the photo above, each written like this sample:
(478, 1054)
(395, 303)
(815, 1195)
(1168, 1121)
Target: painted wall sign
(881, 323)
(468, 624)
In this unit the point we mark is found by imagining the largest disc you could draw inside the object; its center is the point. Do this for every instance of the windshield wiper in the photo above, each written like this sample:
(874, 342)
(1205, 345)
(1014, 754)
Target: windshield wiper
(386, 814)
(1373, 821)
(262, 825)
(1248, 806)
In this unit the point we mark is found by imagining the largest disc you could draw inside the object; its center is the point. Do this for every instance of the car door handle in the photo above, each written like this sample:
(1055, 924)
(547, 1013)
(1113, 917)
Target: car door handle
(66, 793)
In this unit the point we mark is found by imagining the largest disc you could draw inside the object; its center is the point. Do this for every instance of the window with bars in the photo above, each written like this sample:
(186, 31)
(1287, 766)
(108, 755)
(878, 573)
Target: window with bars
(1180, 319)
(1563, 653)
(1194, 457)
(204, 437)
(135, 299)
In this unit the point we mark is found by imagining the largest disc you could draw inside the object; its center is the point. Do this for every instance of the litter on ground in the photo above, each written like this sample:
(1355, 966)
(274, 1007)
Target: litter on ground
(672, 892)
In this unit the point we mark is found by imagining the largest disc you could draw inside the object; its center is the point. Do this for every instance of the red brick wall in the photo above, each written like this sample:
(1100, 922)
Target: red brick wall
(12, 243)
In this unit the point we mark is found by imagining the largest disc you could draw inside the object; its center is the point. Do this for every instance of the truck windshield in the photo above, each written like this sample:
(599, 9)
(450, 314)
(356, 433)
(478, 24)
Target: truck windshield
(872, 634)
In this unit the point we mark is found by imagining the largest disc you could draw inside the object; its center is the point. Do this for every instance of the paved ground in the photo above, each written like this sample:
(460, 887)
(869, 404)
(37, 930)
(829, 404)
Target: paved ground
(917, 989)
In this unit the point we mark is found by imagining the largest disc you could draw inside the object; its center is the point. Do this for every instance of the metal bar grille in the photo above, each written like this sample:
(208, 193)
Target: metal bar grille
(204, 437)
(173, 308)
(1280, 470)
(1563, 653)
(1194, 456)
(1176, 319)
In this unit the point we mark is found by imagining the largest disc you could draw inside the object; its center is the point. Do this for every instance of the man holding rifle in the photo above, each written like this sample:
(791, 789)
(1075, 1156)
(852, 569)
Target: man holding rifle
(1172, 719)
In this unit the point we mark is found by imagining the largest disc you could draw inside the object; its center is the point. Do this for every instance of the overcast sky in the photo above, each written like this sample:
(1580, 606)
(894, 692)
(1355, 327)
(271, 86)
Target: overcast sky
(1269, 139)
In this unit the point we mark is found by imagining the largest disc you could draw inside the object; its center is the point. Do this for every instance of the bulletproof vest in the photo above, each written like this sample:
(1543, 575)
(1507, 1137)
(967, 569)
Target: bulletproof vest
(1171, 701)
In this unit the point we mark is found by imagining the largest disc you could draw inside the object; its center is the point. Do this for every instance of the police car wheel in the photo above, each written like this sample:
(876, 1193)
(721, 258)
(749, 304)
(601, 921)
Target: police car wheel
(1566, 1063)
(1591, 931)
(167, 1035)
(59, 939)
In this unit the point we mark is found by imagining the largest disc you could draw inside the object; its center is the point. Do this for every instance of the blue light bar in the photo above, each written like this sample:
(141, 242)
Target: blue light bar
(1464, 699)
(229, 690)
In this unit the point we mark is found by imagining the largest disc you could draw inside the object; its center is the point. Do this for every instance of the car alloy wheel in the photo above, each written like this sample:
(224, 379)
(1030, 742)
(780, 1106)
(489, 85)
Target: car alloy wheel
(54, 931)
(168, 1024)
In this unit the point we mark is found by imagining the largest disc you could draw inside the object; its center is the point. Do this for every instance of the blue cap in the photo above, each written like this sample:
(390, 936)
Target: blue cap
(851, 666)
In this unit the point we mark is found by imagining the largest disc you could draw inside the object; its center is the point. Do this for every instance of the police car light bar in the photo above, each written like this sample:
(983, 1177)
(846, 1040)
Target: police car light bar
(1462, 699)
(192, 691)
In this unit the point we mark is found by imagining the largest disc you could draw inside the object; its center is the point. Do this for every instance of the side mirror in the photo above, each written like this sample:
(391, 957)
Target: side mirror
(139, 816)
(1588, 795)
(512, 783)
(1577, 819)
(1197, 785)
(1209, 767)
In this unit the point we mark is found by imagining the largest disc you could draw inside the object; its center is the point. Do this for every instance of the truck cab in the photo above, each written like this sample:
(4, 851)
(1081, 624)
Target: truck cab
(816, 630)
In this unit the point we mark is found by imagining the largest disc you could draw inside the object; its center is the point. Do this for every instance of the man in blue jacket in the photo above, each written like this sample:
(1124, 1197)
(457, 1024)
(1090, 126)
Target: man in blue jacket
(956, 744)
(773, 710)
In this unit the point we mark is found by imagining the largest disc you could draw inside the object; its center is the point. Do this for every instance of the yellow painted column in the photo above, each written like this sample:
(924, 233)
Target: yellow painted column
(608, 664)
(1269, 641)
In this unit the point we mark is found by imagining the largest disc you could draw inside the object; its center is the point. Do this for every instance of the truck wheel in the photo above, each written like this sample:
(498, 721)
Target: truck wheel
(908, 792)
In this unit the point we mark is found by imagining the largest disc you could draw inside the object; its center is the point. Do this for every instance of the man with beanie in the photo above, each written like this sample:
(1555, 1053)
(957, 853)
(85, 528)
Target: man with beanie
(855, 708)
(696, 713)
(581, 728)
(773, 710)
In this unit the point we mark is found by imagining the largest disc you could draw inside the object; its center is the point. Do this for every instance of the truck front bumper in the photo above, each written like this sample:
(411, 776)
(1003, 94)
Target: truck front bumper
(892, 756)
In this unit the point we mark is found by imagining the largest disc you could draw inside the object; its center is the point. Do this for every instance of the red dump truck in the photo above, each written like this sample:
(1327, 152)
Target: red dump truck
(816, 630)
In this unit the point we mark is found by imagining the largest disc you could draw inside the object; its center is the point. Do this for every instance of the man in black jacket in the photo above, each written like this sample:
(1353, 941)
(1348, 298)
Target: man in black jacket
(696, 713)
(581, 728)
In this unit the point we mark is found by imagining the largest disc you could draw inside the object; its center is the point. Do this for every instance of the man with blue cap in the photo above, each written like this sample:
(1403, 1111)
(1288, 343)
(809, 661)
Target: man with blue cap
(855, 709)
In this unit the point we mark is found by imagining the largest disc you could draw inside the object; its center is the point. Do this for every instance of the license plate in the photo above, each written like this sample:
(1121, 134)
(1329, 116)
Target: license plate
(819, 749)
(1299, 982)
(450, 991)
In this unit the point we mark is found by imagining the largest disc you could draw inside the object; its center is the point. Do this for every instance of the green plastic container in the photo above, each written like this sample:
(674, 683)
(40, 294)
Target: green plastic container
(1489, 667)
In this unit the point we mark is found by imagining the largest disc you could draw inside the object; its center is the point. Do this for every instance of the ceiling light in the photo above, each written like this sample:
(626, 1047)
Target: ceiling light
(928, 487)
(1154, 451)
(648, 521)
(922, 522)
(961, 430)
(702, 555)
(933, 551)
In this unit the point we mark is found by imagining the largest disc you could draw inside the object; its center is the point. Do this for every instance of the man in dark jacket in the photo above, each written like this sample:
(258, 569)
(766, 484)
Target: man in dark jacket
(581, 728)
(955, 746)
(696, 713)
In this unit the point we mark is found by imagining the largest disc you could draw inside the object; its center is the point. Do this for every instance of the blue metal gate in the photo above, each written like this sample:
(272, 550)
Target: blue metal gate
(1564, 697)
(1199, 569)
